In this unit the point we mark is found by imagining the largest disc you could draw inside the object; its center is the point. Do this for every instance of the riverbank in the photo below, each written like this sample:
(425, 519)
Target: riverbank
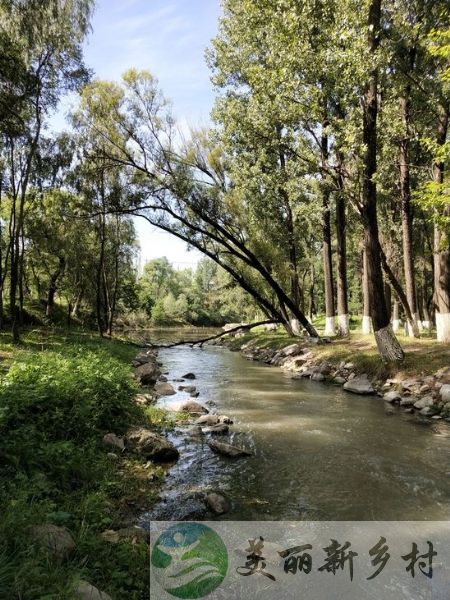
(421, 383)
(70, 494)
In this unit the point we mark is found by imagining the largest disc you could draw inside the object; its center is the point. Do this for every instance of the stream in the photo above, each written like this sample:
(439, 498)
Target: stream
(319, 453)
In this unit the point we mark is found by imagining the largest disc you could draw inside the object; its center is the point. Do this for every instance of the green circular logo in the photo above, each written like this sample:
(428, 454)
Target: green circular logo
(189, 560)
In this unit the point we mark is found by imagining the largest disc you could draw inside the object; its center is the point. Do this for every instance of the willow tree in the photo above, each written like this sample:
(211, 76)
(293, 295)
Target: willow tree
(180, 188)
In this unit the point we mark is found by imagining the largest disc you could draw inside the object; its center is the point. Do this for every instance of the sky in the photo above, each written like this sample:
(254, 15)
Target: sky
(168, 38)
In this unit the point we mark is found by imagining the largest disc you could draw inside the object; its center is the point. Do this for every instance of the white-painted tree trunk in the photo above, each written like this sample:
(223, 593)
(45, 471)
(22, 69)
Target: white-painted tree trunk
(295, 324)
(343, 324)
(330, 326)
(443, 327)
(427, 326)
(366, 325)
(412, 329)
(396, 324)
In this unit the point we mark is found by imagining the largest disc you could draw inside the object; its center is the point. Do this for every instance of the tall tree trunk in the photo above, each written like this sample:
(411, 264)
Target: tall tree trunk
(396, 316)
(1, 254)
(341, 252)
(406, 212)
(441, 246)
(388, 345)
(292, 246)
(99, 290)
(312, 310)
(77, 302)
(388, 296)
(366, 317)
(54, 286)
(330, 323)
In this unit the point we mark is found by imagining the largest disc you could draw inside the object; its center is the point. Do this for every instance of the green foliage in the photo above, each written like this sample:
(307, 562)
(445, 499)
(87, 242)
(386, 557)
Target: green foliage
(159, 417)
(204, 297)
(56, 402)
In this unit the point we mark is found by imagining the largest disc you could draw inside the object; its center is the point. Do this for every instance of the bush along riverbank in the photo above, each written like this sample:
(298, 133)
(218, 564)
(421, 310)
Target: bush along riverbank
(76, 469)
(421, 385)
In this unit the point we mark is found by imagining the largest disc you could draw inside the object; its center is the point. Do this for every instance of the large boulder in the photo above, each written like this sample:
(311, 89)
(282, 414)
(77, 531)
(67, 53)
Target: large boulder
(444, 393)
(57, 540)
(359, 385)
(227, 449)
(148, 373)
(424, 402)
(392, 397)
(85, 591)
(291, 350)
(164, 389)
(151, 445)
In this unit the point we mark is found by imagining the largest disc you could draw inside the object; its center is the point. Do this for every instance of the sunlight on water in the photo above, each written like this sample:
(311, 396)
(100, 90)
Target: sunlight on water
(319, 452)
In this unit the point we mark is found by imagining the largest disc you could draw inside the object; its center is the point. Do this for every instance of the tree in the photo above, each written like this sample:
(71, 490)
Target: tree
(46, 39)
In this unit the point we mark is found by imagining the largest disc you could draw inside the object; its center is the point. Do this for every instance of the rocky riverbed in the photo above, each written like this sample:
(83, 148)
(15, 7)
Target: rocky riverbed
(247, 437)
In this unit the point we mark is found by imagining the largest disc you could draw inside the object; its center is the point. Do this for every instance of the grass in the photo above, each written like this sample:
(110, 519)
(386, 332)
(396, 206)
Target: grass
(59, 394)
(423, 356)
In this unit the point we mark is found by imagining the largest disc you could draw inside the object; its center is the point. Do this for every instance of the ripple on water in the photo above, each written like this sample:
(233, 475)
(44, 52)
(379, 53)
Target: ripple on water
(319, 453)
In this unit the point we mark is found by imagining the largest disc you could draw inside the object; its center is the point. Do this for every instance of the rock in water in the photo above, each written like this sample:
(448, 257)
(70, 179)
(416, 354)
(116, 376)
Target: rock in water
(151, 445)
(193, 408)
(86, 591)
(225, 419)
(359, 385)
(425, 402)
(57, 540)
(317, 377)
(207, 420)
(227, 449)
(147, 373)
(164, 389)
(218, 503)
(189, 376)
(219, 429)
(392, 397)
(189, 389)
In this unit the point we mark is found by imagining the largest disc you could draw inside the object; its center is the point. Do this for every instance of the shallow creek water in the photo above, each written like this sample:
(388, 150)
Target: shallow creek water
(319, 453)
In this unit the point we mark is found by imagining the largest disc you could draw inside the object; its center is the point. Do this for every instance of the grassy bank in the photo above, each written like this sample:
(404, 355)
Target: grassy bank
(59, 394)
(423, 356)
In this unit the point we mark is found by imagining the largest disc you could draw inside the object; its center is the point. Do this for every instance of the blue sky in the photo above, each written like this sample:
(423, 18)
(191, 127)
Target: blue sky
(169, 39)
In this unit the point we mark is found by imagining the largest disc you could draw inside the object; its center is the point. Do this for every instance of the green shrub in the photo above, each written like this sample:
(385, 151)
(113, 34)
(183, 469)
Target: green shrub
(55, 407)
